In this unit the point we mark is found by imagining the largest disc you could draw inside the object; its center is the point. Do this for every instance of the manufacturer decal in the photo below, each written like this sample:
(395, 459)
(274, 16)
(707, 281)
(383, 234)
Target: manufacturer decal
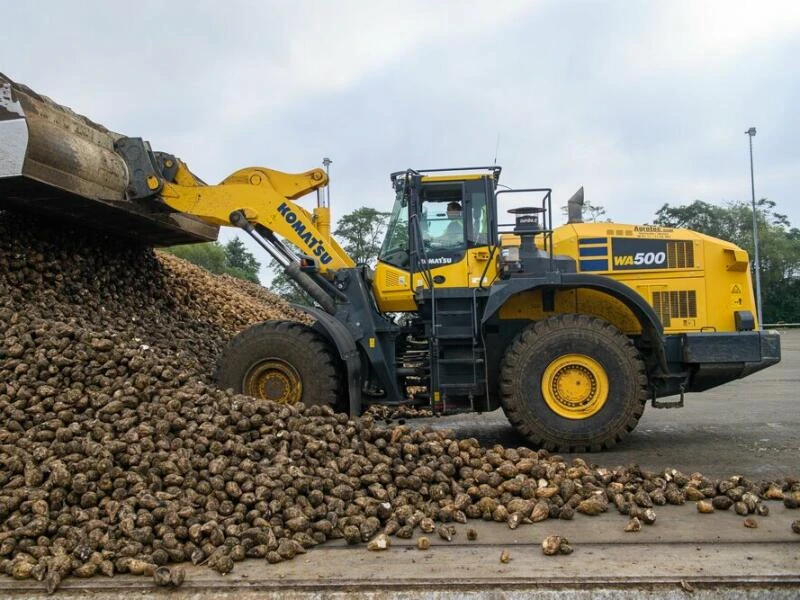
(315, 245)
(651, 229)
(439, 260)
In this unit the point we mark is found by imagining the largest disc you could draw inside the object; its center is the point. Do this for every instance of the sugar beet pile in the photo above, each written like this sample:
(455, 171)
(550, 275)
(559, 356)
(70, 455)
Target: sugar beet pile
(117, 455)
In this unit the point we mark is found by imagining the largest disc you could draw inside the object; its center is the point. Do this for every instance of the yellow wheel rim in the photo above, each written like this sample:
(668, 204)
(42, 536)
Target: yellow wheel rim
(273, 379)
(575, 386)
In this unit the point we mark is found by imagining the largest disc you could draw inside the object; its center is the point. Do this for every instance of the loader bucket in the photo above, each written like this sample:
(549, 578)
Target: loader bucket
(58, 163)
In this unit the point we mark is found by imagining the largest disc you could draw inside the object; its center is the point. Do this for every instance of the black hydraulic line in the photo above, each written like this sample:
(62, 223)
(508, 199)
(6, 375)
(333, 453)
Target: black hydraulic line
(331, 289)
(311, 288)
(326, 285)
(426, 270)
(486, 267)
(420, 242)
(291, 267)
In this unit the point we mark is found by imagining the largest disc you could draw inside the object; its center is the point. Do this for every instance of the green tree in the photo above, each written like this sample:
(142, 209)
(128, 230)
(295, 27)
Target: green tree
(592, 213)
(360, 234)
(285, 287)
(240, 258)
(230, 259)
(210, 256)
(779, 246)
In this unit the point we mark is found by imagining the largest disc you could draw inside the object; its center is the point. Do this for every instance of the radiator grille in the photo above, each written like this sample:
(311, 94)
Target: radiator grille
(392, 279)
(680, 254)
(679, 304)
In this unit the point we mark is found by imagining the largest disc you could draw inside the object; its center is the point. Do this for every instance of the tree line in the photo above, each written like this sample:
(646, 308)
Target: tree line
(232, 258)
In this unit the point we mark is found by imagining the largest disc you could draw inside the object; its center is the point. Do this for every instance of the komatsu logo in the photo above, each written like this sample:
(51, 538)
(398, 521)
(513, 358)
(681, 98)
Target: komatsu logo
(314, 245)
(439, 260)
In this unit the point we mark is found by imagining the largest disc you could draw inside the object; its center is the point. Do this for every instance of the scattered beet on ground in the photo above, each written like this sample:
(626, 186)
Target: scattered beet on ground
(118, 455)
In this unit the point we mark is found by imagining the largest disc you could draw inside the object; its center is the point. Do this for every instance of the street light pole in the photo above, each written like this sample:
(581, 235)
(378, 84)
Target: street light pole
(750, 133)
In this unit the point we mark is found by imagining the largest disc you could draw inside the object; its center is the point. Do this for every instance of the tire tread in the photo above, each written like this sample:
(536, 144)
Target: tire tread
(521, 345)
(325, 385)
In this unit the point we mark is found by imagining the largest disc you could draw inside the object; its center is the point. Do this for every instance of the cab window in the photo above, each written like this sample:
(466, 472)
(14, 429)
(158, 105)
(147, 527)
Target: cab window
(395, 245)
(442, 218)
(478, 222)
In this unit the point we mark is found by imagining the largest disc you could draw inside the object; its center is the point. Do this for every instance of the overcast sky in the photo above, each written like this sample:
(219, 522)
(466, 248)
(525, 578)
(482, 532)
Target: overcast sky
(641, 102)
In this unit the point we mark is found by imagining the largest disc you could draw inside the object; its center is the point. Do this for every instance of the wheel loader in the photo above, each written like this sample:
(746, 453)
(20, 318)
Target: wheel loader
(476, 302)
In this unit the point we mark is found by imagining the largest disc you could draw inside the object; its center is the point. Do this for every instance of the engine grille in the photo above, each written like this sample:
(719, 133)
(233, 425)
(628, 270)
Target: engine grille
(680, 254)
(677, 304)
(392, 279)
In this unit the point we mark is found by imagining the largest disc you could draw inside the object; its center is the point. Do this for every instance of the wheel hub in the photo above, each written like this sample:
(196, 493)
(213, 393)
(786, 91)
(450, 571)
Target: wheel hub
(575, 386)
(273, 379)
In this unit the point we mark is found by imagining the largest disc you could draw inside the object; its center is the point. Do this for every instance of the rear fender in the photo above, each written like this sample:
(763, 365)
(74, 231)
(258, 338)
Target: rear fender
(644, 313)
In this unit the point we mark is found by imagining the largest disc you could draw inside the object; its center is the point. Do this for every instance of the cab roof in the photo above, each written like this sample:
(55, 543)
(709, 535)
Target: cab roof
(452, 173)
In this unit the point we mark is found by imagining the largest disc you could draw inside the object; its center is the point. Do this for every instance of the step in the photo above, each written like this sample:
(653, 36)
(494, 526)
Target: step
(457, 335)
(459, 361)
(411, 371)
(462, 387)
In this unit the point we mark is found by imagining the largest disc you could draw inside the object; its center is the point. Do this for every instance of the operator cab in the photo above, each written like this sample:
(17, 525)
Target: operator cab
(452, 212)
(441, 227)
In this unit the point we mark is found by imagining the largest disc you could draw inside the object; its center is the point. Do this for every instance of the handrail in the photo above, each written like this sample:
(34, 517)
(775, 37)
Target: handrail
(547, 208)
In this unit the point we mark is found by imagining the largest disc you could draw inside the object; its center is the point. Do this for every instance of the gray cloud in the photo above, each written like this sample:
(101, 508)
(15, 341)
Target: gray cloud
(643, 103)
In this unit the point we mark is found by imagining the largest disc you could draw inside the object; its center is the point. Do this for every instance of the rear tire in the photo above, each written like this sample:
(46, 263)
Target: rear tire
(281, 361)
(573, 383)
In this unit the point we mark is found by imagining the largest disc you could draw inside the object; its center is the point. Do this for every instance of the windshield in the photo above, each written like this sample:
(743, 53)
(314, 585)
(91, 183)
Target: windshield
(395, 247)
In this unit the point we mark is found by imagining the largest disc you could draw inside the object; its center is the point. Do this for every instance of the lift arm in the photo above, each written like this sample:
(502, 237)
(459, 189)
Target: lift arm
(264, 197)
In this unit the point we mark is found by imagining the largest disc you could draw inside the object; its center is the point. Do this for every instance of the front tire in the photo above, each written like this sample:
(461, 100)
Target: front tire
(280, 361)
(573, 383)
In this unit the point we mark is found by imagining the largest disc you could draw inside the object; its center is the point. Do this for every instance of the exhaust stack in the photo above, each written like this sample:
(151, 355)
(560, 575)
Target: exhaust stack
(575, 207)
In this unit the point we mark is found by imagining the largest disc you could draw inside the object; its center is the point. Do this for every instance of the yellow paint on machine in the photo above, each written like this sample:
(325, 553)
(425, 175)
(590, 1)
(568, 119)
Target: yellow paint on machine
(575, 386)
(455, 177)
(695, 284)
(528, 305)
(394, 287)
(703, 283)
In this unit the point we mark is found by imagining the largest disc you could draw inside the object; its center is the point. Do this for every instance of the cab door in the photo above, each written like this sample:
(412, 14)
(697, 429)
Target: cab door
(438, 235)
(481, 232)
(392, 283)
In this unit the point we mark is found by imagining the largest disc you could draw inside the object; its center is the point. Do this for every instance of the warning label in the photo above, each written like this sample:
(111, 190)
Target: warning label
(737, 297)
